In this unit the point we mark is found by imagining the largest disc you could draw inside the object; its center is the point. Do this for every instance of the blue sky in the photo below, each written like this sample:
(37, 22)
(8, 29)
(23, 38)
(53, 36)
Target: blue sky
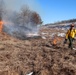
(49, 10)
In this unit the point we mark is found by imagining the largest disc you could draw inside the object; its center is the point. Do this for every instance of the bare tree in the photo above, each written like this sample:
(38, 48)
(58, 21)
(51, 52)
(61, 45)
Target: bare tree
(28, 16)
(35, 18)
(23, 17)
(25, 14)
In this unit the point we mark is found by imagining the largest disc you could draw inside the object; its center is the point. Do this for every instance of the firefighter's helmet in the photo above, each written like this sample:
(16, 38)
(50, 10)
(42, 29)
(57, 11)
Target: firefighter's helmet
(72, 25)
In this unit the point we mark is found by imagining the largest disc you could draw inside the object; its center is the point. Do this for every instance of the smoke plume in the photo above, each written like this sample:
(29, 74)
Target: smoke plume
(20, 24)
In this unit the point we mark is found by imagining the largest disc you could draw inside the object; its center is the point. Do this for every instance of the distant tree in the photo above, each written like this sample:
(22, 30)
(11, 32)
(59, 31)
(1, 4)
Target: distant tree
(27, 16)
(35, 18)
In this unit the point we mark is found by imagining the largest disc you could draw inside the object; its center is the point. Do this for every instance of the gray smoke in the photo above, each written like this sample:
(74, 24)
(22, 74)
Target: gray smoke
(1, 9)
(21, 24)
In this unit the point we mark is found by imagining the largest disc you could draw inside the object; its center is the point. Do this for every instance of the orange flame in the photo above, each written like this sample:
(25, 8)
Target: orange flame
(56, 40)
(1, 26)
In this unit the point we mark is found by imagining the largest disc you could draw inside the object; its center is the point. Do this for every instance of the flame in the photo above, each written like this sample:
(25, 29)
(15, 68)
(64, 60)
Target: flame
(1, 26)
(56, 40)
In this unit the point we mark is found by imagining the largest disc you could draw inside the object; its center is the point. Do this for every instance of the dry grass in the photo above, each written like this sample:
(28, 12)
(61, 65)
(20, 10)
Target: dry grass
(19, 57)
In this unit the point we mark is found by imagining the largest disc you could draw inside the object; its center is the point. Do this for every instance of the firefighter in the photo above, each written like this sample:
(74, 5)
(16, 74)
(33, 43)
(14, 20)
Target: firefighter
(70, 36)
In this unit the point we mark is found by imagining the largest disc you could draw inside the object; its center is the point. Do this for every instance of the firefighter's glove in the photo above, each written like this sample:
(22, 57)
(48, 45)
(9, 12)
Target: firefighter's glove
(73, 39)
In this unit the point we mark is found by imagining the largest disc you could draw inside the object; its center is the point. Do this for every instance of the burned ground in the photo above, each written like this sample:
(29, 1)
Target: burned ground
(38, 55)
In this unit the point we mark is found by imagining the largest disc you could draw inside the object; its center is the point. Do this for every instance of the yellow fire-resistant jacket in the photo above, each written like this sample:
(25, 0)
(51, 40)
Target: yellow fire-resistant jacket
(71, 33)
